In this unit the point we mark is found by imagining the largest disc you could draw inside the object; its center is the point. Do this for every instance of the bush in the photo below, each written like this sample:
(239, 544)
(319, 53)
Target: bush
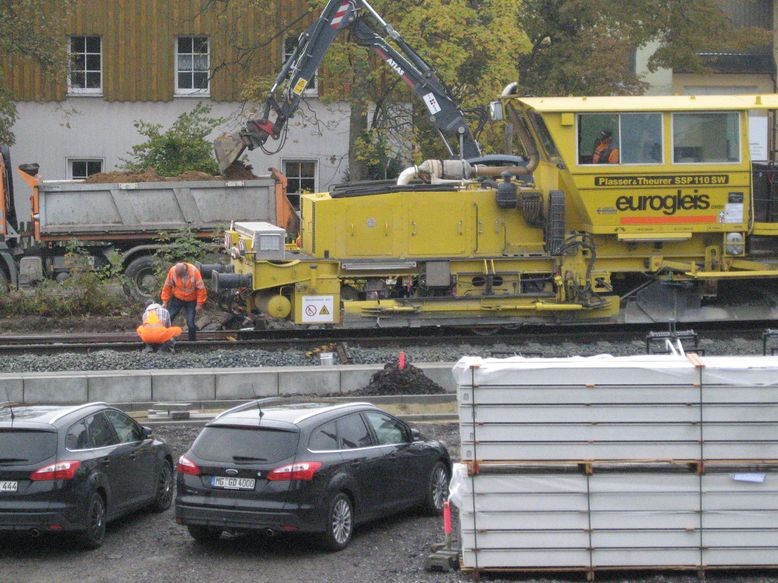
(181, 148)
(87, 291)
(183, 245)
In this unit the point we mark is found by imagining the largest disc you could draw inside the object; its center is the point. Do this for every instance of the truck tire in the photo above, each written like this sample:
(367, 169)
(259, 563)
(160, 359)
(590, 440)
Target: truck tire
(144, 283)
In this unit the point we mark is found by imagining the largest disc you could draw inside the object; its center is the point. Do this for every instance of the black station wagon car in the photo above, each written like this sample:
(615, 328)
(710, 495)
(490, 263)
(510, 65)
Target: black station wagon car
(72, 469)
(306, 467)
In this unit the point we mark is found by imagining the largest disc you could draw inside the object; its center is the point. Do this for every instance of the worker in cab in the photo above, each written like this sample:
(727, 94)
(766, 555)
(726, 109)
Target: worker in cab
(155, 331)
(604, 150)
(184, 290)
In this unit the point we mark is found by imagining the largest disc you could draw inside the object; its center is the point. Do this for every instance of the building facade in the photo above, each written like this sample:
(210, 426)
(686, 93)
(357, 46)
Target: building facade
(151, 61)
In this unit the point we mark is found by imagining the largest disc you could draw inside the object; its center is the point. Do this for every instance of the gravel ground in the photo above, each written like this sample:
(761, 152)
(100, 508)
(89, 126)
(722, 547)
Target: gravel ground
(151, 547)
(437, 352)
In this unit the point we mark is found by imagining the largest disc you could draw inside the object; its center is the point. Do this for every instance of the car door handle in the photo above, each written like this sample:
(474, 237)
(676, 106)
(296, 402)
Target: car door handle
(132, 456)
(356, 463)
(106, 461)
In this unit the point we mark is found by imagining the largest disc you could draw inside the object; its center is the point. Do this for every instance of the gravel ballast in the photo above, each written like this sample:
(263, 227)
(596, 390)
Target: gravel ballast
(422, 352)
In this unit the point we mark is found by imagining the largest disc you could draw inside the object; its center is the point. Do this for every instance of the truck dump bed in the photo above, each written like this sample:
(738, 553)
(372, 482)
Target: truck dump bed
(69, 209)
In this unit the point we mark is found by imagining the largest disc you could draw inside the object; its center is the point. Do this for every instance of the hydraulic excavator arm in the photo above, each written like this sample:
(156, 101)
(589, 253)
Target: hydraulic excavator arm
(367, 29)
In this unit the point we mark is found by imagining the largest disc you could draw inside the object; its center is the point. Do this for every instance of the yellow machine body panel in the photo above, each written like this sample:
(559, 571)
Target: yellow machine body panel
(461, 222)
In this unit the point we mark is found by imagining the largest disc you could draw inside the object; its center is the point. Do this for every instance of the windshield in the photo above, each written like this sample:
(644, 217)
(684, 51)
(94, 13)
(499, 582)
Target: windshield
(22, 446)
(236, 444)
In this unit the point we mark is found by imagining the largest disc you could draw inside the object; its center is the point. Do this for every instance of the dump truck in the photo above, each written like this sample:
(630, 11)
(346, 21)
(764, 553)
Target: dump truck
(123, 217)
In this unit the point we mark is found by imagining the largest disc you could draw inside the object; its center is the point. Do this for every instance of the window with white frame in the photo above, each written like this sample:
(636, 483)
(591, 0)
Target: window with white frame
(81, 168)
(301, 177)
(192, 65)
(85, 75)
(290, 44)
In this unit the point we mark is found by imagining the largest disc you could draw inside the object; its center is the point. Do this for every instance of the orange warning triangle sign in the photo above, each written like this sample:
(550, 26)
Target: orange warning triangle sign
(324, 311)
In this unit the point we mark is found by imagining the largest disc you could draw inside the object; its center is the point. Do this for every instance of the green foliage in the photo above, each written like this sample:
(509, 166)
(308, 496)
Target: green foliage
(181, 148)
(581, 47)
(183, 245)
(87, 291)
(32, 30)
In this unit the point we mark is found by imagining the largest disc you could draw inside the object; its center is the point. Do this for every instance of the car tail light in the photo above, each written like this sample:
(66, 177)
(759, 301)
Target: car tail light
(187, 466)
(295, 471)
(56, 471)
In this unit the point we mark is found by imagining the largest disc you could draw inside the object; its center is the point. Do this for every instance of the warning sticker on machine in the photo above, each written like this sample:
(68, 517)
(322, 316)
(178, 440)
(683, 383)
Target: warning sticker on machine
(318, 309)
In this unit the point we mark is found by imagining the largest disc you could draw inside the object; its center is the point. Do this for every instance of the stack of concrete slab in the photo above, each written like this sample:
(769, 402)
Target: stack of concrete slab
(606, 463)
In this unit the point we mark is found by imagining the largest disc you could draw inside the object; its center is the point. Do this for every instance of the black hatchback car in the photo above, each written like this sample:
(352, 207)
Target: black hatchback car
(72, 469)
(306, 467)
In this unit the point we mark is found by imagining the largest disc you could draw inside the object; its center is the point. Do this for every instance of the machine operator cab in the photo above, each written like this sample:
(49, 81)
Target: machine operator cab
(654, 168)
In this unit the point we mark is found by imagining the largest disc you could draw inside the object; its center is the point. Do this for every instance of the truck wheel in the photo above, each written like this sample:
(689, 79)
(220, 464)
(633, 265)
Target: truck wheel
(143, 280)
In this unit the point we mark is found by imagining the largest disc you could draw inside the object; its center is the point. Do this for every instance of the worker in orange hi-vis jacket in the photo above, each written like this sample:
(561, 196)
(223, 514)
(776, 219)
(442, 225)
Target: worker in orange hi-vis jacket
(155, 331)
(184, 289)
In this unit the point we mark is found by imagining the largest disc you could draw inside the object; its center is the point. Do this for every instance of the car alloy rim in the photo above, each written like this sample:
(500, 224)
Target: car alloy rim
(341, 521)
(96, 517)
(165, 484)
(439, 486)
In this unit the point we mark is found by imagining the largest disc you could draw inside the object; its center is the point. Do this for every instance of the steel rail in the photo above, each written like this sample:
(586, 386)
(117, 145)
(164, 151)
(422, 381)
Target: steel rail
(273, 340)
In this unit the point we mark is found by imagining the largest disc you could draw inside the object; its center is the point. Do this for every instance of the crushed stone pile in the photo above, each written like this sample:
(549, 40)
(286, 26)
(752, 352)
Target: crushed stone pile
(393, 380)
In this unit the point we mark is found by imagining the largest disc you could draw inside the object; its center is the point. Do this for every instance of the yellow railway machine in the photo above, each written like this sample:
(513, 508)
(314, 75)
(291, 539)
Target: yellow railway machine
(680, 223)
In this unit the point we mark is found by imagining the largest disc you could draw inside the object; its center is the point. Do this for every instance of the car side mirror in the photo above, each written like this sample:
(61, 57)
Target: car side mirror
(415, 434)
(146, 432)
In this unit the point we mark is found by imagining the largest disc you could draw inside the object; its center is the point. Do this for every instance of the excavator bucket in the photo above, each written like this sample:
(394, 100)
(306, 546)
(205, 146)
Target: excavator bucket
(228, 148)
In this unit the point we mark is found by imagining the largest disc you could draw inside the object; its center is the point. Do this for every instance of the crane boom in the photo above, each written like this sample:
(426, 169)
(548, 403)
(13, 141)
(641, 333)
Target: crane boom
(370, 30)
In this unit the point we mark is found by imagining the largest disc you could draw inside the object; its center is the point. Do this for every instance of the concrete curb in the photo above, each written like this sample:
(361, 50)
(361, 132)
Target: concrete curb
(198, 385)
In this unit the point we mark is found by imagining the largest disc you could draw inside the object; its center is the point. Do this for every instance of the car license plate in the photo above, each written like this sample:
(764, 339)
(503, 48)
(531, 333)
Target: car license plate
(232, 483)
(6, 486)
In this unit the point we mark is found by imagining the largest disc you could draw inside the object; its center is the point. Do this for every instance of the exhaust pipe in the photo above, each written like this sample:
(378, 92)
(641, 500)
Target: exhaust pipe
(270, 533)
(35, 533)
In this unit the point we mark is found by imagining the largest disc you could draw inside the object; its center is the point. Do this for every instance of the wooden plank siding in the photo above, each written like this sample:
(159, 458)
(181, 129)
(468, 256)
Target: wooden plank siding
(139, 41)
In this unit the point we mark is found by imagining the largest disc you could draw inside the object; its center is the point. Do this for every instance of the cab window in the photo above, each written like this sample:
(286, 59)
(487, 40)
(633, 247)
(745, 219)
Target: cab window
(710, 137)
(626, 138)
(545, 136)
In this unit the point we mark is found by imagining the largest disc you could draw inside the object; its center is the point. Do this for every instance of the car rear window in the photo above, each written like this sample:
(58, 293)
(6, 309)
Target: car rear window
(233, 444)
(26, 446)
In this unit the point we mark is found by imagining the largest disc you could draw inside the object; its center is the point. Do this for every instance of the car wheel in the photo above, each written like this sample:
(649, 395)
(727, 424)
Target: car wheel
(437, 489)
(340, 523)
(164, 495)
(204, 534)
(92, 537)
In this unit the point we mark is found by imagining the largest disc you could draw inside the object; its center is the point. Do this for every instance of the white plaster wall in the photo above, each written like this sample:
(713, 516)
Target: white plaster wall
(89, 127)
(661, 81)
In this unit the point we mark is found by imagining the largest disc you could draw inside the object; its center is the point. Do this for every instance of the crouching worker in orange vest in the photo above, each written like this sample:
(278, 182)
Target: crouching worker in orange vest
(184, 289)
(156, 331)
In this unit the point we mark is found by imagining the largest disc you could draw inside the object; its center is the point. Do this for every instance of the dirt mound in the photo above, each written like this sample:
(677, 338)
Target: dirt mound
(148, 175)
(240, 171)
(393, 380)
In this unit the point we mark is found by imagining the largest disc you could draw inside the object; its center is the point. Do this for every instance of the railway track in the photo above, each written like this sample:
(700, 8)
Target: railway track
(339, 340)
